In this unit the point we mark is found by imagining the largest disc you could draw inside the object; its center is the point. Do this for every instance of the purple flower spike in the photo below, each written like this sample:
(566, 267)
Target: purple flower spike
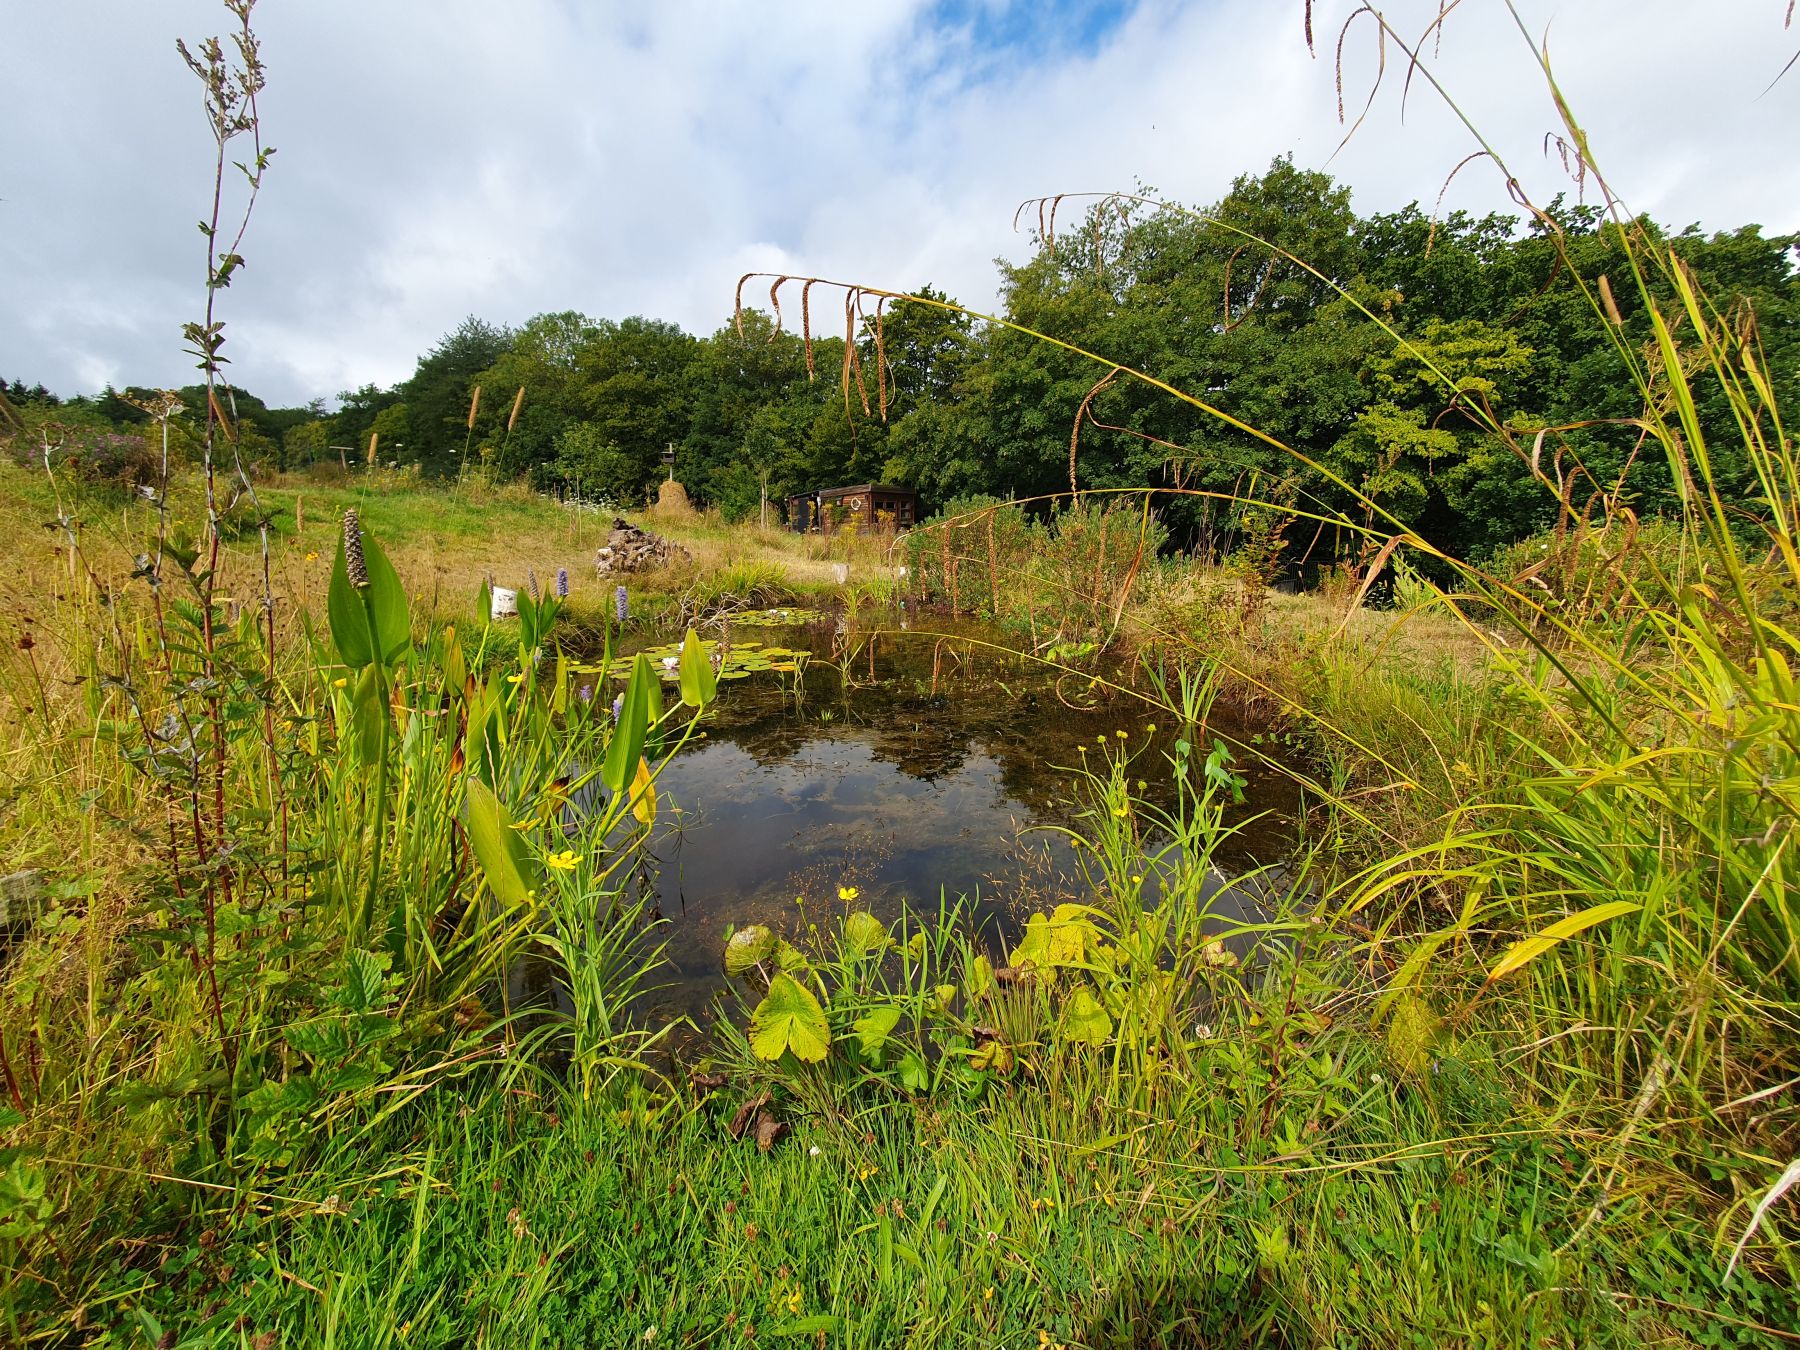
(622, 604)
(562, 583)
(585, 693)
(618, 707)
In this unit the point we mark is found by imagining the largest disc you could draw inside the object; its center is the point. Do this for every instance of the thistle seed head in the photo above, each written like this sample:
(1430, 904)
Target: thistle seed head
(354, 566)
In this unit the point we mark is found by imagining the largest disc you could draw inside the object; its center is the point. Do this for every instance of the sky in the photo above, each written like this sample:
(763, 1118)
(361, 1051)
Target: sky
(441, 158)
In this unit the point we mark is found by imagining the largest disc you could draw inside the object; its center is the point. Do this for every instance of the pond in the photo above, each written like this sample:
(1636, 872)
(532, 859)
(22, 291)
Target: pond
(917, 767)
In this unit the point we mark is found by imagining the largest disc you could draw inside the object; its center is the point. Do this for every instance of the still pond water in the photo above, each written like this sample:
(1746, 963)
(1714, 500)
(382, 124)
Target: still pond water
(916, 767)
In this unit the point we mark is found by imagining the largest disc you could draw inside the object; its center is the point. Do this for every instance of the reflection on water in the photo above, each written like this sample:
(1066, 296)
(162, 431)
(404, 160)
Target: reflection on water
(914, 770)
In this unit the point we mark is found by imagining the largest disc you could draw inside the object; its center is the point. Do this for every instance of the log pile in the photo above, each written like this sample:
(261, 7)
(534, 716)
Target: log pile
(629, 549)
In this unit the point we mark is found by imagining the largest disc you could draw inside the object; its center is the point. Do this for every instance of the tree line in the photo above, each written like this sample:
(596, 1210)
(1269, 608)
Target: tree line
(1265, 305)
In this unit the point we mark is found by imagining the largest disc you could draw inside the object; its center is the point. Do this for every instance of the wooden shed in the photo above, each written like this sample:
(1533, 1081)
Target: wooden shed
(863, 507)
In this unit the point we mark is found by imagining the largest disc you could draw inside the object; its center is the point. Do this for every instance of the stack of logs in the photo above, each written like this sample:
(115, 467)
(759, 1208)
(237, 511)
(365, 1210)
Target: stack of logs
(629, 549)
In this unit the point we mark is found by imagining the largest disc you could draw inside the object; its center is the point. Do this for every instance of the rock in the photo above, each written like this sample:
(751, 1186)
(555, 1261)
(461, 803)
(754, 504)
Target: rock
(629, 549)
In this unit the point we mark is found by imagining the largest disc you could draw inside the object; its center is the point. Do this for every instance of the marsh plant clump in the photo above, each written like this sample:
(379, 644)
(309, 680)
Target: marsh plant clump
(1502, 1051)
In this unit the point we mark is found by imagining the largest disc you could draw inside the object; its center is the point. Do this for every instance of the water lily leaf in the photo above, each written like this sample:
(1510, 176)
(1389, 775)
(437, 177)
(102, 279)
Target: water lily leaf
(698, 686)
(501, 850)
(873, 1028)
(864, 934)
(789, 1018)
(1083, 1019)
(748, 947)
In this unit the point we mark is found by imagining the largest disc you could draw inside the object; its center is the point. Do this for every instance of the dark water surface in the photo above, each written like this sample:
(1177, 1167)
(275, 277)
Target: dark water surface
(913, 767)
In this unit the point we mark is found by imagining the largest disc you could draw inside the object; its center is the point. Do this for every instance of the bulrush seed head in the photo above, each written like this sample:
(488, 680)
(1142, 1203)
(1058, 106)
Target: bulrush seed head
(354, 566)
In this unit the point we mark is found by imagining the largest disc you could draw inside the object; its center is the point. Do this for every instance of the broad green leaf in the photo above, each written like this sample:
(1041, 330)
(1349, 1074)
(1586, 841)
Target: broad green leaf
(627, 745)
(1529, 949)
(864, 934)
(1083, 1019)
(365, 974)
(790, 957)
(942, 997)
(915, 946)
(699, 687)
(501, 850)
(915, 1073)
(368, 708)
(873, 1028)
(344, 611)
(789, 1018)
(748, 947)
(393, 620)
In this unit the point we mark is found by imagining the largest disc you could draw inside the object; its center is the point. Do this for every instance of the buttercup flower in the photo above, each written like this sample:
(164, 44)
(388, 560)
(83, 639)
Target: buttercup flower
(848, 893)
(564, 861)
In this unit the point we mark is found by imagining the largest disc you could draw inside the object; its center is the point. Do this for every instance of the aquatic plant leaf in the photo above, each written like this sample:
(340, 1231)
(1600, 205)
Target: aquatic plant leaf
(873, 1028)
(698, 687)
(368, 707)
(790, 957)
(748, 947)
(501, 850)
(626, 748)
(915, 1073)
(981, 978)
(864, 934)
(1083, 1019)
(643, 795)
(1529, 949)
(346, 617)
(995, 1054)
(381, 629)
(943, 996)
(789, 1018)
(1411, 1031)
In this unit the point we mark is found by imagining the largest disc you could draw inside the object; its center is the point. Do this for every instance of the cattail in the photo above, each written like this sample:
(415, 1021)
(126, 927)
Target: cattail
(354, 566)
(622, 604)
(562, 583)
(531, 583)
(474, 406)
(1611, 306)
(518, 403)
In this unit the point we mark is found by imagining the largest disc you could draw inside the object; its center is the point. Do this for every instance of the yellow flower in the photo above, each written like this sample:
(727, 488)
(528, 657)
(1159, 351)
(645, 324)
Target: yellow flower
(1121, 811)
(339, 683)
(866, 1171)
(564, 861)
(1137, 880)
(1121, 733)
(515, 678)
(312, 557)
(988, 1295)
(1150, 728)
(1101, 738)
(848, 893)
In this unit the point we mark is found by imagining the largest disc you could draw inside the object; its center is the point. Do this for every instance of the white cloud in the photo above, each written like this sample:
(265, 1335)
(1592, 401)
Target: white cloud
(441, 158)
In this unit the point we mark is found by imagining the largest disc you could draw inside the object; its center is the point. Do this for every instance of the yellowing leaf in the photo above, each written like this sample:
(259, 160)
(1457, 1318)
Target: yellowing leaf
(864, 934)
(789, 1018)
(1529, 949)
(1411, 1032)
(643, 795)
(748, 947)
(1084, 1019)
